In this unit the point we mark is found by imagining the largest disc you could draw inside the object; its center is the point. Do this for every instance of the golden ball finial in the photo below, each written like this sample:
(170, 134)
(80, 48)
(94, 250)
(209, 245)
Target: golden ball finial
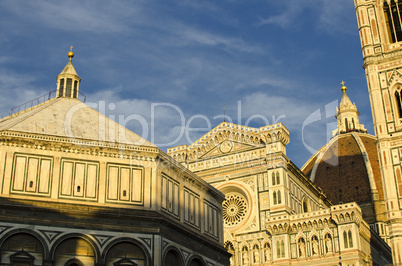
(70, 54)
(343, 88)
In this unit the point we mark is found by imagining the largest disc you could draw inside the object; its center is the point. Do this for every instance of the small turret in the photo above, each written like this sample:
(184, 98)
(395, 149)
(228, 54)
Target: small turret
(68, 81)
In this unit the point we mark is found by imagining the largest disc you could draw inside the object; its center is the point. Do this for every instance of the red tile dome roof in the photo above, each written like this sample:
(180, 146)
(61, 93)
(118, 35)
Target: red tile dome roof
(347, 170)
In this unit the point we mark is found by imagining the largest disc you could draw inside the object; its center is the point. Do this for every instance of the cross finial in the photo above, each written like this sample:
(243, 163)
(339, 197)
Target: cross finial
(71, 54)
(343, 88)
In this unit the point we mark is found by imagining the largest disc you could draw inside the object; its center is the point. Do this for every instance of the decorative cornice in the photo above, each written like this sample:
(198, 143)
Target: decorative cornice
(58, 144)
(76, 141)
(383, 58)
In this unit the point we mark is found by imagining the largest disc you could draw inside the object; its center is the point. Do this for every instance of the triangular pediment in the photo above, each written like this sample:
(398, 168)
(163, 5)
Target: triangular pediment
(227, 147)
(394, 76)
(22, 256)
(225, 138)
(125, 261)
(228, 138)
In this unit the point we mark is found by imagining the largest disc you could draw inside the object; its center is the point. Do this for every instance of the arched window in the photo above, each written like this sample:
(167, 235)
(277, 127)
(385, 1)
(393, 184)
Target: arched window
(21, 249)
(273, 179)
(346, 125)
(274, 196)
(393, 20)
(398, 102)
(305, 206)
(172, 258)
(345, 239)
(279, 197)
(280, 249)
(126, 253)
(196, 262)
(74, 250)
(350, 239)
(74, 262)
(277, 178)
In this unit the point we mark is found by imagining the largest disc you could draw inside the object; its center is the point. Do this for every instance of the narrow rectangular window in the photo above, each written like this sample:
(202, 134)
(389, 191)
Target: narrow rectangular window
(61, 88)
(68, 87)
(75, 94)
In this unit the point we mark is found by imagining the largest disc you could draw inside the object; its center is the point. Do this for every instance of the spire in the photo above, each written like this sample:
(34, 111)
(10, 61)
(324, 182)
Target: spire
(68, 80)
(347, 115)
(345, 101)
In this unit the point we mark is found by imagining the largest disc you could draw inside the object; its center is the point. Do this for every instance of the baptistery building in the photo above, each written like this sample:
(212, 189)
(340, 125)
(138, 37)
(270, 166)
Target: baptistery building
(76, 188)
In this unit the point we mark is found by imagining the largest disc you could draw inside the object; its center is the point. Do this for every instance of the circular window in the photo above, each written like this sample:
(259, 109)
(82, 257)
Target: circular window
(234, 209)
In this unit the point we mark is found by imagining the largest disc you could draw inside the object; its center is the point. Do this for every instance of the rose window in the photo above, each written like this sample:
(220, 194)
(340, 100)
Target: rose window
(234, 209)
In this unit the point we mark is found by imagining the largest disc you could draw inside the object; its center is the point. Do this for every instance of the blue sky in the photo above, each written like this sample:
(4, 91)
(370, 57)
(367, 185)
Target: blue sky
(176, 63)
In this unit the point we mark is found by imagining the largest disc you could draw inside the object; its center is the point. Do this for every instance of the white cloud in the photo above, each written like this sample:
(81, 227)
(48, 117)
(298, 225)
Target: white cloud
(100, 16)
(331, 16)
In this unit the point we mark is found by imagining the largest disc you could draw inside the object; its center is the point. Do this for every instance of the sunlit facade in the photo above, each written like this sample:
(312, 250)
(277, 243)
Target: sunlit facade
(79, 189)
(273, 213)
(379, 23)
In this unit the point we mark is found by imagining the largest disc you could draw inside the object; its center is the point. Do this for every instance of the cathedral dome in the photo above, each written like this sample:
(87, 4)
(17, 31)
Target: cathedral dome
(347, 169)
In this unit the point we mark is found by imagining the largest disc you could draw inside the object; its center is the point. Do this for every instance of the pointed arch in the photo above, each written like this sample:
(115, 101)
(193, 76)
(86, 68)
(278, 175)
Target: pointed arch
(350, 239)
(267, 252)
(301, 243)
(345, 239)
(328, 243)
(256, 254)
(315, 245)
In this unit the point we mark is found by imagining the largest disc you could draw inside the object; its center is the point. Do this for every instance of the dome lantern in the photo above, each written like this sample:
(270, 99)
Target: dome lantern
(347, 115)
(68, 81)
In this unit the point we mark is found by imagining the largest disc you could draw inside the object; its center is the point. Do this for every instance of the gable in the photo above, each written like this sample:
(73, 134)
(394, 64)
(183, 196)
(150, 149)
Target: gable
(227, 146)
(394, 75)
(226, 138)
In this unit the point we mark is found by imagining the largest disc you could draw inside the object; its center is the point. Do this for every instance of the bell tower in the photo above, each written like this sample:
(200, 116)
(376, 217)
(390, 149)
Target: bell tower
(379, 23)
